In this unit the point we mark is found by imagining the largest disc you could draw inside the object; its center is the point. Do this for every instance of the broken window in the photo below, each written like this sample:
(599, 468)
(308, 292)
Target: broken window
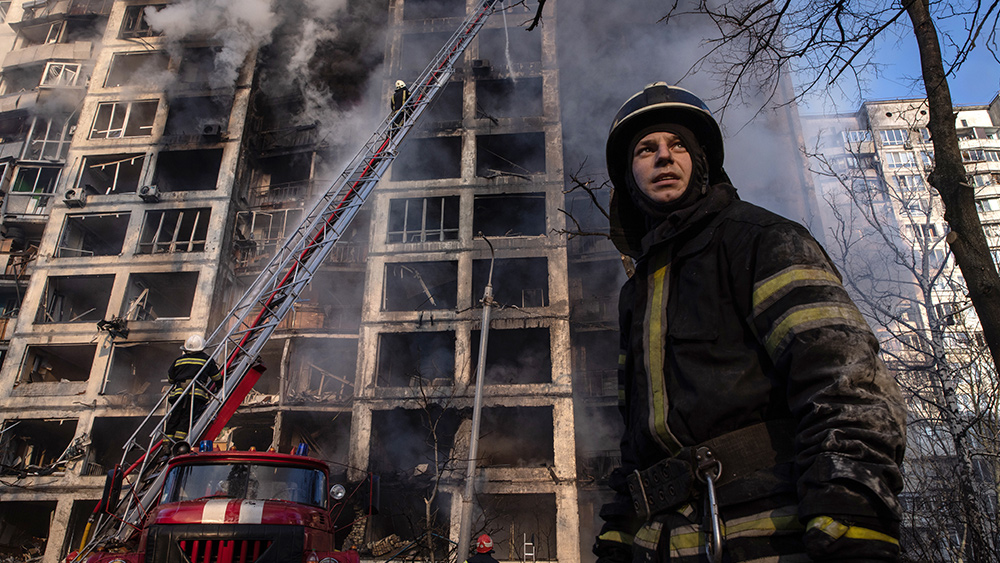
(138, 68)
(509, 98)
(597, 442)
(204, 116)
(423, 219)
(25, 525)
(495, 47)
(42, 34)
(137, 372)
(417, 49)
(31, 190)
(514, 356)
(49, 139)
(429, 158)
(259, 233)
(124, 119)
(60, 74)
(506, 215)
(403, 441)
(332, 302)
(531, 446)
(35, 446)
(420, 286)
(594, 290)
(517, 154)
(109, 434)
(517, 282)
(197, 67)
(166, 295)
(75, 299)
(112, 173)
(328, 434)
(415, 358)
(595, 360)
(523, 522)
(93, 235)
(322, 370)
(22, 78)
(248, 430)
(427, 9)
(447, 106)
(280, 181)
(77, 525)
(134, 24)
(174, 230)
(185, 171)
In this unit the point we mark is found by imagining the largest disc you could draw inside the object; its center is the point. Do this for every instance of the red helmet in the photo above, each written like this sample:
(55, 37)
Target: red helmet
(484, 544)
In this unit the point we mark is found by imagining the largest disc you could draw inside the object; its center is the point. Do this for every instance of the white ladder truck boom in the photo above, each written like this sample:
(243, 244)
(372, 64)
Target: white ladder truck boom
(239, 339)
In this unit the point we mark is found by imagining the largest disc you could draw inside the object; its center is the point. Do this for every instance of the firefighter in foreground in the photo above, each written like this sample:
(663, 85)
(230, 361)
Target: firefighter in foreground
(759, 421)
(180, 373)
(484, 549)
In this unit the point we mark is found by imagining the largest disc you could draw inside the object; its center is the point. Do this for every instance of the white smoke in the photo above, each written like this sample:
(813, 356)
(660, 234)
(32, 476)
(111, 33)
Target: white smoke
(239, 26)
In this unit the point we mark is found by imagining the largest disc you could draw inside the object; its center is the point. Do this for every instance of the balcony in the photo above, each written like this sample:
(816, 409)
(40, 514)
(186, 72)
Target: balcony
(583, 247)
(27, 206)
(36, 10)
(36, 54)
(596, 466)
(281, 195)
(595, 310)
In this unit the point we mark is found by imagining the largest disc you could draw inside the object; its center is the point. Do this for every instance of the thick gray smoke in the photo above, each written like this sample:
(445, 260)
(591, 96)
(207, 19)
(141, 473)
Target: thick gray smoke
(604, 60)
(240, 26)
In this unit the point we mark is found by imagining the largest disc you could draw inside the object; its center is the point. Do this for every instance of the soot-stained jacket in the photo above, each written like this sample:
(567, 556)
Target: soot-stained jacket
(736, 316)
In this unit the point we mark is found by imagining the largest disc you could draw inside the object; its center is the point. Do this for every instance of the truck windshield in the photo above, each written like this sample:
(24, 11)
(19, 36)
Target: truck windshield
(246, 481)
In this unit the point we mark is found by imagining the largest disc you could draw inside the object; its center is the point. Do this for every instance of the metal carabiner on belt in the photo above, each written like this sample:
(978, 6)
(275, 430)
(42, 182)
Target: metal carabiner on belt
(709, 469)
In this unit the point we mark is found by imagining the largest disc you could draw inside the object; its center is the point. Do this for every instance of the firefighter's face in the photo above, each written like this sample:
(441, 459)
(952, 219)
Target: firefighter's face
(661, 166)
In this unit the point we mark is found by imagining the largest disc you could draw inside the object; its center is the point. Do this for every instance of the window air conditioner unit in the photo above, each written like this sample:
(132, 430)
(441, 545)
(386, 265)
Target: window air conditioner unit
(149, 194)
(75, 197)
(212, 130)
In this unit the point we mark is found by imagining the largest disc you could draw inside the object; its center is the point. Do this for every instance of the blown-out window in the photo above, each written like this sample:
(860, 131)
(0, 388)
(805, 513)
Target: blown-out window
(423, 219)
(124, 119)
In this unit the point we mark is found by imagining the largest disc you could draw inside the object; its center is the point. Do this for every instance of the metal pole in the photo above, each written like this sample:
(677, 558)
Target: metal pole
(465, 527)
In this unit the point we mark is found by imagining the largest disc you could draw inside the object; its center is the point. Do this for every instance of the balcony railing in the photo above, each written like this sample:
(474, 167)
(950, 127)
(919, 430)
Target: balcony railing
(589, 245)
(27, 204)
(595, 309)
(598, 465)
(279, 195)
(36, 9)
(600, 383)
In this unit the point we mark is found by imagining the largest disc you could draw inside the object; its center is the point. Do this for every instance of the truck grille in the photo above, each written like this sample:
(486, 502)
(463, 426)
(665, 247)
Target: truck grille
(223, 551)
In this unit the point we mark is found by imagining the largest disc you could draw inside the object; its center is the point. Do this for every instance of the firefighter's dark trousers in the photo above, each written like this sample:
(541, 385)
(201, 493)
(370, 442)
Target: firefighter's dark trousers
(177, 424)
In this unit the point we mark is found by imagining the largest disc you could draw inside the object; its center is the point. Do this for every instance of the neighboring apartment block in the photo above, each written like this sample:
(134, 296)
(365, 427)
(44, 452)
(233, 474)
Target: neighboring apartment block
(149, 171)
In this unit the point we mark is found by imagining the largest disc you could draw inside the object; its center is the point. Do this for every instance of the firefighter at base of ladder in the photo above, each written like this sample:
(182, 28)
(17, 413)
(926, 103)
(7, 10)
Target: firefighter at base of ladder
(484, 547)
(399, 97)
(181, 372)
(760, 423)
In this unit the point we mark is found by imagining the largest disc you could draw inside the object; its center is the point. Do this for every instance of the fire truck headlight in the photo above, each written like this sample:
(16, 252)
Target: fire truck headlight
(337, 491)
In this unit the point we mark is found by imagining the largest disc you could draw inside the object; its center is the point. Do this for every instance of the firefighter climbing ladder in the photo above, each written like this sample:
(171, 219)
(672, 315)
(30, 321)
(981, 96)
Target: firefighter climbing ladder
(238, 341)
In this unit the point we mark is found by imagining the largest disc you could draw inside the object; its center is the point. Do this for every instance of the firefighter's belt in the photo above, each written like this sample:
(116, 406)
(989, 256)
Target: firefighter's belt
(673, 481)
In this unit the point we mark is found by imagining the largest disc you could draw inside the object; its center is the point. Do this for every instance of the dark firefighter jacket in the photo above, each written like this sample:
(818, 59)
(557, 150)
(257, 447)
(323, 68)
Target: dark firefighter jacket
(482, 558)
(185, 368)
(399, 97)
(736, 316)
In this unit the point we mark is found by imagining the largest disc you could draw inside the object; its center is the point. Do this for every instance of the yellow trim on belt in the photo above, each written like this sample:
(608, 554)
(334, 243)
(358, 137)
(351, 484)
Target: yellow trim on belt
(616, 536)
(836, 530)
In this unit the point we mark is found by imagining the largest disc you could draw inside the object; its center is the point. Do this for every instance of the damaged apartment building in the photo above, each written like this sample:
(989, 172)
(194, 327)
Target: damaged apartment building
(147, 178)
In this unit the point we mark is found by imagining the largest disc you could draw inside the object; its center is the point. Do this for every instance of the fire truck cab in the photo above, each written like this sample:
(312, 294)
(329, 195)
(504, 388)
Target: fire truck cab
(242, 507)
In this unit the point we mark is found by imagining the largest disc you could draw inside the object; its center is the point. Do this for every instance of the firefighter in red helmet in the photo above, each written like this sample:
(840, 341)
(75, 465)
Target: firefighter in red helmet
(484, 547)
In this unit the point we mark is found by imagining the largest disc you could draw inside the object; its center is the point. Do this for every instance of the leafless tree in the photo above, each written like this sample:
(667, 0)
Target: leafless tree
(903, 279)
(826, 41)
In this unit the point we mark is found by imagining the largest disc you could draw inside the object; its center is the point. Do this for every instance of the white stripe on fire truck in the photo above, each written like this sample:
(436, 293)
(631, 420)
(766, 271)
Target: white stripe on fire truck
(214, 511)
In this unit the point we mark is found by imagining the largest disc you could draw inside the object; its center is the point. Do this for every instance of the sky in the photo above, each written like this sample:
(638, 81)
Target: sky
(977, 82)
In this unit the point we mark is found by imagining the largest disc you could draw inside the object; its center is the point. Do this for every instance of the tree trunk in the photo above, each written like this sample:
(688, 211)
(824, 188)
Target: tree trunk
(967, 242)
(966, 239)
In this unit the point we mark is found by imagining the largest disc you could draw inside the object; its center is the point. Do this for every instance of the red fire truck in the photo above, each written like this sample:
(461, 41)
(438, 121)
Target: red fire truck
(242, 507)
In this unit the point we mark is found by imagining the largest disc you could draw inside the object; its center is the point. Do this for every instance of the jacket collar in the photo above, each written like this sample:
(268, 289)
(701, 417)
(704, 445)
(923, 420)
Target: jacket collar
(682, 223)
